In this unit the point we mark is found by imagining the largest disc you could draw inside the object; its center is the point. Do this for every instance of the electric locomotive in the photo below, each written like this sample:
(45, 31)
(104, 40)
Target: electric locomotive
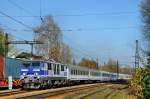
(41, 74)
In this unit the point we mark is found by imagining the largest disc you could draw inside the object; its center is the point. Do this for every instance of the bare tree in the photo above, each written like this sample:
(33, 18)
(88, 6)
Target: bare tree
(53, 48)
(66, 55)
(48, 33)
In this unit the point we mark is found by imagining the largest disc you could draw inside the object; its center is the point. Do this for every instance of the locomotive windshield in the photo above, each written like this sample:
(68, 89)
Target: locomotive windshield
(26, 65)
(36, 64)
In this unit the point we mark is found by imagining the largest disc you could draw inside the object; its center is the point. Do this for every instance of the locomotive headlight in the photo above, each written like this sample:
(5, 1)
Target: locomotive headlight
(38, 77)
(36, 74)
(24, 74)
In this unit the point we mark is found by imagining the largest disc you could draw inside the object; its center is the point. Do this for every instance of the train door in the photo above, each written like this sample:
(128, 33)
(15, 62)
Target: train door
(55, 69)
(50, 69)
(45, 67)
(58, 69)
(62, 70)
(65, 70)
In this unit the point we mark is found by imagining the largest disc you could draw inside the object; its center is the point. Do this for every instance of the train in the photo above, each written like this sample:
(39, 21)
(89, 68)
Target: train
(36, 74)
(10, 67)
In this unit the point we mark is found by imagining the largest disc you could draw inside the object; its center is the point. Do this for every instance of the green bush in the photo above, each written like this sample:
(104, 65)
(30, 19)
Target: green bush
(140, 84)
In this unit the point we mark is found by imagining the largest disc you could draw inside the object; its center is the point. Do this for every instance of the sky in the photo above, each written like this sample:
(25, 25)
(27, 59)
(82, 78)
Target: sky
(99, 28)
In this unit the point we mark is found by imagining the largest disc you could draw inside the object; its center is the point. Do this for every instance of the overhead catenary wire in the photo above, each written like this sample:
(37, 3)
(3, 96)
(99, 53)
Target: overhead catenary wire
(16, 20)
(77, 15)
(79, 48)
(81, 29)
(24, 10)
(41, 11)
(20, 22)
(20, 7)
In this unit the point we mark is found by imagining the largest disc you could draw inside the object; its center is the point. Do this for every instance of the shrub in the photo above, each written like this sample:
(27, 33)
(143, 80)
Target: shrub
(140, 84)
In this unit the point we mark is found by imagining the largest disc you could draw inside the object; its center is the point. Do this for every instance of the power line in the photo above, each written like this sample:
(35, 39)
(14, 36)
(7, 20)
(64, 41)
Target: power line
(96, 14)
(16, 37)
(25, 16)
(23, 9)
(79, 29)
(67, 15)
(74, 15)
(18, 6)
(79, 48)
(27, 26)
(41, 11)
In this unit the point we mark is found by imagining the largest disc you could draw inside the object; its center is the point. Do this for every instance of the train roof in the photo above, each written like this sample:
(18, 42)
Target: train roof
(74, 66)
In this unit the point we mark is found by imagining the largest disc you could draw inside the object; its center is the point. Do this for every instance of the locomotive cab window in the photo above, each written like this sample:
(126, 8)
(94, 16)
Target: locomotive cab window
(49, 66)
(62, 67)
(36, 64)
(26, 65)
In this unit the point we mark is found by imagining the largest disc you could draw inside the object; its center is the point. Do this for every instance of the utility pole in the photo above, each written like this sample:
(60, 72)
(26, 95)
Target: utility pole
(117, 69)
(97, 63)
(5, 57)
(5, 44)
(137, 55)
(5, 49)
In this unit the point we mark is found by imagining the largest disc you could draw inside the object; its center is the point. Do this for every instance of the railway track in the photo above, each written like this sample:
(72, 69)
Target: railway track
(54, 92)
(105, 92)
(13, 92)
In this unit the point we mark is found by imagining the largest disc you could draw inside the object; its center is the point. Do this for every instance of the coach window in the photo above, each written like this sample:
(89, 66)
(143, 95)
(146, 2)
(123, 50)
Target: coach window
(62, 67)
(58, 69)
(104, 74)
(54, 68)
(49, 66)
(71, 71)
(79, 72)
(83, 72)
(75, 72)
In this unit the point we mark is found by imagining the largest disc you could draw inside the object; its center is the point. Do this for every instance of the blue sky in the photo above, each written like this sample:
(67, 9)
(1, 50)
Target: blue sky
(106, 28)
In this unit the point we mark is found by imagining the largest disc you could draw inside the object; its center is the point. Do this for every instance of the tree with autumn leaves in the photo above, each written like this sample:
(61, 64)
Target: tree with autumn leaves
(88, 63)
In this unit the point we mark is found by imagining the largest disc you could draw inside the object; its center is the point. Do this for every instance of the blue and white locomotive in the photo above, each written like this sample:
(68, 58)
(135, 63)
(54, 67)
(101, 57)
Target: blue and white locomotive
(44, 74)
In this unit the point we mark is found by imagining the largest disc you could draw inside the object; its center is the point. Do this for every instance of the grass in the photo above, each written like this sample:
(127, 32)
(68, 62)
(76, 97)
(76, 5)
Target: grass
(114, 91)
